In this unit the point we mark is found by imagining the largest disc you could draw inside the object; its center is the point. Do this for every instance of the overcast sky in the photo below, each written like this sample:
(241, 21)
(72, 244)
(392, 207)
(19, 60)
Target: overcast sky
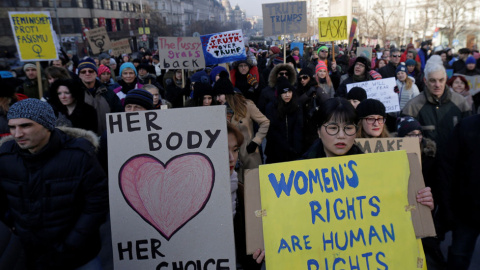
(253, 7)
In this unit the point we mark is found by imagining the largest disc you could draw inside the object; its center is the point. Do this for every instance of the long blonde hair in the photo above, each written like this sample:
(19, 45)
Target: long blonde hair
(329, 81)
(238, 103)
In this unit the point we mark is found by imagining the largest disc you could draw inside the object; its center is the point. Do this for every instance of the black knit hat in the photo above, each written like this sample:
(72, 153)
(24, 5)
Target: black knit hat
(357, 93)
(306, 71)
(369, 107)
(202, 89)
(283, 85)
(223, 86)
(406, 125)
(364, 61)
(35, 110)
(8, 87)
(139, 97)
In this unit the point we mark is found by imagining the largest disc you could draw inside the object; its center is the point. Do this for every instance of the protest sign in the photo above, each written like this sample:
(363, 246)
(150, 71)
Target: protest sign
(223, 47)
(353, 29)
(98, 40)
(365, 52)
(338, 212)
(284, 18)
(473, 83)
(332, 28)
(34, 36)
(121, 46)
(382, 90)
(299, 45)
(169, 190)
(180, 52)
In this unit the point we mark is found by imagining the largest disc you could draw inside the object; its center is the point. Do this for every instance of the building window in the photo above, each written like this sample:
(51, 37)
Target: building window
(114, 5)
(23, 3)
(107, 4)
(84, 3)
(97, 4)
(123, 6)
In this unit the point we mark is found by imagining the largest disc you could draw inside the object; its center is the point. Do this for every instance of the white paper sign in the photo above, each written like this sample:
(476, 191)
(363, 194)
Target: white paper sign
(382, 90)
(169, 188)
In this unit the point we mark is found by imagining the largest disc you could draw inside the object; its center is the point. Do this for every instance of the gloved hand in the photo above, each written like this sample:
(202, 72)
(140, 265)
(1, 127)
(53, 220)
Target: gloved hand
(252, 80)
(251, 147)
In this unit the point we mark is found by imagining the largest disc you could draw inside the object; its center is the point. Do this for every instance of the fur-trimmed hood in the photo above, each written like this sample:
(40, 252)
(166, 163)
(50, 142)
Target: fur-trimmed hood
(292, 75)
(72, 132)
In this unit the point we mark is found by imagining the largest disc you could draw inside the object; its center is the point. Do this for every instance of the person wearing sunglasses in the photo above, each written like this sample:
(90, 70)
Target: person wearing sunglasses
(372, 115)
(332, 67)
(268, 94)
(389, 71)
(104, 100)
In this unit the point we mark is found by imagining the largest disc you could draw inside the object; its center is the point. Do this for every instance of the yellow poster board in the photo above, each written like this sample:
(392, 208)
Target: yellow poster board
(334, 213)
(33, 33)
(332, 29)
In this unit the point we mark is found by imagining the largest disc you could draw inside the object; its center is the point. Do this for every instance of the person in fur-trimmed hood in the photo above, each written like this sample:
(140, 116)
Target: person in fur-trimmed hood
(53, 189)
(268, 93)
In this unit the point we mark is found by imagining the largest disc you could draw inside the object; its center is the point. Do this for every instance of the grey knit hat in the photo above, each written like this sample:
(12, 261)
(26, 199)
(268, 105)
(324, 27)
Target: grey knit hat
(35, 110)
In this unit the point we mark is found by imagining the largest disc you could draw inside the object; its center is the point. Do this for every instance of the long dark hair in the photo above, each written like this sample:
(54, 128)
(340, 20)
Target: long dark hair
(283, 108)
(77, 93)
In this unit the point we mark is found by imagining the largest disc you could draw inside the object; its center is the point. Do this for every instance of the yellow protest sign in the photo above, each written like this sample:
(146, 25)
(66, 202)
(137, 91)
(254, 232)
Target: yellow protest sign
(332, 28)
(33, 33)
(338, 213)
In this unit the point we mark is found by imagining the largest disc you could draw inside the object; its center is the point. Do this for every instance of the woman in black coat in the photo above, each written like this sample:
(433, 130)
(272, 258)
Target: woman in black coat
(284, 137)
(68, 102)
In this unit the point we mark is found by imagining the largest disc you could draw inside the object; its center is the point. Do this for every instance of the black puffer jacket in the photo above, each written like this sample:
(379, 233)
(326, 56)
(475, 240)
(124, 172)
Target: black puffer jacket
(56, 199)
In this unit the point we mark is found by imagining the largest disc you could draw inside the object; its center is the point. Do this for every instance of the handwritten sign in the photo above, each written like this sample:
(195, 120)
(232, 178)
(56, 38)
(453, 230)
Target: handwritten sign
(284, 18)
(334, 213)
(223, 47)
(382, 90)
(170, 205)
(332, 28)
(378, 145)
(121, 46)
(473, 83)
(98, 40)
(34, 36)
(180, 52)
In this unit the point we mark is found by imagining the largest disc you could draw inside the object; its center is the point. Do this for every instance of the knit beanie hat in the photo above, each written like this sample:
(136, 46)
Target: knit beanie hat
(321, 65)
(470, 60)
(35, 110)
(283, 85)
(375, 75)
(369, 107)
(112, 61)
(306, 71)
(202, 89)
(278, 60)
(296, 58)
(103, 69)
(87, 63)
(223, 86)
(464, 51)
(139, 97)
(215, 71)
(410, 62)
(406, 125)
(128, 65)
(200, 76)
(363, 60)
(322, 48)
(401, 67)
(143, 66)
(275, 50)
(357, 93)
(29, 65)
(295, 49)
(103, 56)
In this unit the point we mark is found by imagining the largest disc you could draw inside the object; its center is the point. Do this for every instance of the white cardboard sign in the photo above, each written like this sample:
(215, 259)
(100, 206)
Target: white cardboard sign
(169, 188)
(382, 90)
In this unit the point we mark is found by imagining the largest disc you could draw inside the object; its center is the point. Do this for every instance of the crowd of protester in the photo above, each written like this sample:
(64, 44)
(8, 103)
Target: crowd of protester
(278, 110)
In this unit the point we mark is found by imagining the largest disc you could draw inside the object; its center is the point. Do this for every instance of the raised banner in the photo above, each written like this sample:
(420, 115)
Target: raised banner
(223, 47)
(338, 213)
(169, 190)
(353, 29)
(180, 53)
(98, 40)
(383, 90)
(120, 47)
(332, 28)
(284, 18)
(34, 35)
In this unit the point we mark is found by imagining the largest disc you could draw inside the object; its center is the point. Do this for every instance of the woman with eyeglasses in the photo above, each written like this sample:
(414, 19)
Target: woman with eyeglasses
(372, 115)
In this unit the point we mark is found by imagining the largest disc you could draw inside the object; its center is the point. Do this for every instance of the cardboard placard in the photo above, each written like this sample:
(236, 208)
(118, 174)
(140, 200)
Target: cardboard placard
(284, 18)
(365, 52)
(169, 189)
(332, 28)
(120, 47)
(341, 210)
(378, 145)
(382, 90)
(223, 47)
(473, 83)
(34, 35)
(98, 40)
(180, 52)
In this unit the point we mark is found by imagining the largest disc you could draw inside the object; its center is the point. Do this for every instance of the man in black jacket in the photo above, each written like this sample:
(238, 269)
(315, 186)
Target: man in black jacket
(389, 71)
(53, 192)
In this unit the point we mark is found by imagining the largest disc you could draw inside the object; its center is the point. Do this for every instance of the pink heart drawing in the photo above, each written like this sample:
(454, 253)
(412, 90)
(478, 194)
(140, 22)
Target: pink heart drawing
(167, 196)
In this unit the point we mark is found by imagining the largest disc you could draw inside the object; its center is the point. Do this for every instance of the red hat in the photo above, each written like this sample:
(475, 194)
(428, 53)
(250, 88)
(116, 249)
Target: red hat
(321, 65)
(102, 69)
(275, 50)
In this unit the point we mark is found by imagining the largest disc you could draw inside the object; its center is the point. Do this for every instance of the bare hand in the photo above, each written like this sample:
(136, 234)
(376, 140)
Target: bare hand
(425, 197)
(259, 256)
